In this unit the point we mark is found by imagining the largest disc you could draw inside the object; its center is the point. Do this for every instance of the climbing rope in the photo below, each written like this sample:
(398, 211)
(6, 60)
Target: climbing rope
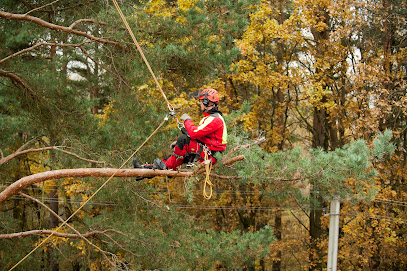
(208, 168)
(170, 107)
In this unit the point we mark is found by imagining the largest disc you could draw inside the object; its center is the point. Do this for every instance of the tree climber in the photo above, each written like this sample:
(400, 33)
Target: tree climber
(210, 135)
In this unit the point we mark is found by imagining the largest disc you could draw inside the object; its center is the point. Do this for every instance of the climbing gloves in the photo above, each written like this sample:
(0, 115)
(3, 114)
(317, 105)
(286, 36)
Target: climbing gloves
(185, 117)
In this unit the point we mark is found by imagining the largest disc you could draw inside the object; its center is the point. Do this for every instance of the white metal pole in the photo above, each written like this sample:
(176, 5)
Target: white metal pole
(333, 234)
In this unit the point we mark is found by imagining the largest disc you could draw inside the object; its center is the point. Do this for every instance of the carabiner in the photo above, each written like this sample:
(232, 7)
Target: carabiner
(180, 125)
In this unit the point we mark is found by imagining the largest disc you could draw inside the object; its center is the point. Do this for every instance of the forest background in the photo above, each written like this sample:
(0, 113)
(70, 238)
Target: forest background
(323, 81)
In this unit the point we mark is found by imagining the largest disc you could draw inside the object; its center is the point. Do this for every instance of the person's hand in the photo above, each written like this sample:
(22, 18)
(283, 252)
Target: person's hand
(185, 117)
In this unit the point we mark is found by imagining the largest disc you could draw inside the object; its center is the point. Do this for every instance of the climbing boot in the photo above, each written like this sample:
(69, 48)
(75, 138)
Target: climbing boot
(159, 164)
(136, 164)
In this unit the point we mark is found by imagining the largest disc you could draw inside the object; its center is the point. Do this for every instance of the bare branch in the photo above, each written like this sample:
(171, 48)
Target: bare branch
(225, 177)
(85, 21)
(20, 184)
(49, 4)
(81, 158)
(255, 142)
(233, 160)
(40, 22)
(299, 221)
(18, 153)
(48, 232)
(17, 80)
(38, 45)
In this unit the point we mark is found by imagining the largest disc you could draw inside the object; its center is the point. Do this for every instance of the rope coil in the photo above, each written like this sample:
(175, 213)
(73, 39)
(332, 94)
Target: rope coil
(208, 168)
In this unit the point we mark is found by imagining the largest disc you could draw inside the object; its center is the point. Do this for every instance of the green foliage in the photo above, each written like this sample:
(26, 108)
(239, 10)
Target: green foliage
(382, 146)
(115, 106)
(328, 172)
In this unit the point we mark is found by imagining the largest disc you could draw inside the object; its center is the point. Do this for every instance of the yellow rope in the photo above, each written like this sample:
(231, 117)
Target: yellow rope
(208, 168)
(52, 233)
(170, 107)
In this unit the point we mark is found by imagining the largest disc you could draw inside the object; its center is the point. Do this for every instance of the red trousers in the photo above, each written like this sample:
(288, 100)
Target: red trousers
(186, 150)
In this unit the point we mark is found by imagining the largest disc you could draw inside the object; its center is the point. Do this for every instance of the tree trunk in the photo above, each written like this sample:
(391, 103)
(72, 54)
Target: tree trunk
(323, 131)
(277, 234)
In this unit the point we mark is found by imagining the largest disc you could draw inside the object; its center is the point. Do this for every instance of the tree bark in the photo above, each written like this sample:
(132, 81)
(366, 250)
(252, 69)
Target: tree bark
(85, 172)
(322, 133)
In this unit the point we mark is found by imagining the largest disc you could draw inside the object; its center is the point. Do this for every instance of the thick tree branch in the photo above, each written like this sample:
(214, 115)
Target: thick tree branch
(17, 186)
(40, 22)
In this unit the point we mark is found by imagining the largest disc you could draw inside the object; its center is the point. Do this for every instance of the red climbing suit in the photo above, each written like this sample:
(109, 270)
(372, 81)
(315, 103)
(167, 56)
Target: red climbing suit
(211, 132)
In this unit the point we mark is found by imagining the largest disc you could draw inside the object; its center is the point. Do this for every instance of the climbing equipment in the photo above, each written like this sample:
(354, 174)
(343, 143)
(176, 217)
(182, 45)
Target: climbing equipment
(208, 167)
(180, 124)
(169, 105)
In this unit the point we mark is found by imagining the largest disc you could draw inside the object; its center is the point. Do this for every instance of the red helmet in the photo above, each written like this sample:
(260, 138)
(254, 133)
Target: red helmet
(209, 94)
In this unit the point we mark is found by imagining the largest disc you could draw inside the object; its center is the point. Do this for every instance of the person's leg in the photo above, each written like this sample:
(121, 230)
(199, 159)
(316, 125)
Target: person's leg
(183, 146)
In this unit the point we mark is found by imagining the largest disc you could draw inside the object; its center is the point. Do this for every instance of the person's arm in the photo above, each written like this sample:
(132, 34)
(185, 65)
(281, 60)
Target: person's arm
(210, 125)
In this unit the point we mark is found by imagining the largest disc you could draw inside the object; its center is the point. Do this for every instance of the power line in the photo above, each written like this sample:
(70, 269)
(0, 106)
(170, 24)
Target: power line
(388, 201)
(63, 201)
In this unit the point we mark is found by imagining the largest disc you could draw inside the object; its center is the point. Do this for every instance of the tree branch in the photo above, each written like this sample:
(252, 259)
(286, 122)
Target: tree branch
(49, 4)
(17, 80)
(233, 160)
(20, 184)
(81, 158)
(18, 153)
(255, 142)
(85, 21)
(48, 232)
(38, 45)
(40, 22)
(299, 221)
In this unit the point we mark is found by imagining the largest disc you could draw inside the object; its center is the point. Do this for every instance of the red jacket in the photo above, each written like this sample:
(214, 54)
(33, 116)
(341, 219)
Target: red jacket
(211, 131)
